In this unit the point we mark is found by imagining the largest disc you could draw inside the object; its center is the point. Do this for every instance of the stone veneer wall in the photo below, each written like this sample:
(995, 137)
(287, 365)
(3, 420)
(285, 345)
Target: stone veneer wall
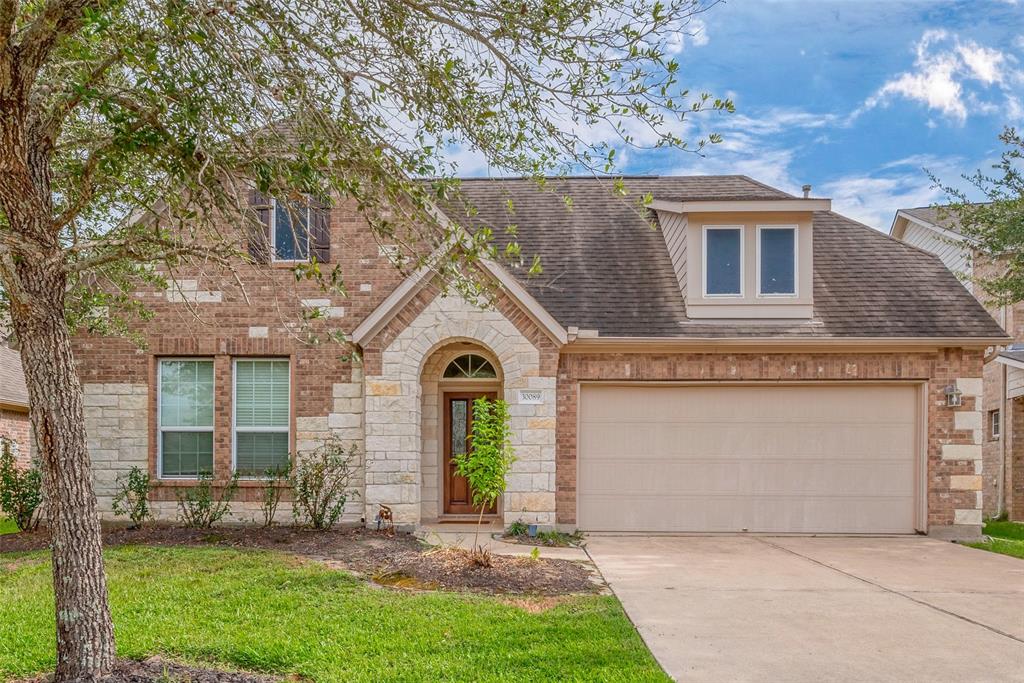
(393, 419)
(118, 423)
(954, 449)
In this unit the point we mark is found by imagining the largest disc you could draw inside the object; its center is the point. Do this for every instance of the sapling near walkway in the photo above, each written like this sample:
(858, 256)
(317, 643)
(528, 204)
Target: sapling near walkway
(487, 460)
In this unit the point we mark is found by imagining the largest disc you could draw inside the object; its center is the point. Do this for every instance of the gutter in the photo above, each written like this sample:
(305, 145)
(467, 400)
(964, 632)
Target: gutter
(582, 344)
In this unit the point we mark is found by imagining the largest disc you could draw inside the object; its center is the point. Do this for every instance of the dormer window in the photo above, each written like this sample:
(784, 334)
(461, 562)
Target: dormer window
(776, 260)
(723, 261)
(289, 231)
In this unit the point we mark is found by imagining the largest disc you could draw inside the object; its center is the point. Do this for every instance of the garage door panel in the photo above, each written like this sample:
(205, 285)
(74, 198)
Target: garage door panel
(672, 440)
(658, 477)
(822, 458)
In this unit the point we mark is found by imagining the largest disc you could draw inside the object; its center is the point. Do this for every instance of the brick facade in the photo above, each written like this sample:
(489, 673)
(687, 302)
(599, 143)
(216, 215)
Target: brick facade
(16, 427)
(954, 448)
(386, 405)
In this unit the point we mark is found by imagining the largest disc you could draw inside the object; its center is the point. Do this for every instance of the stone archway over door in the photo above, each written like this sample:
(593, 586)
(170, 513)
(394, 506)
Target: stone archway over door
(438, 393)
(394, 412)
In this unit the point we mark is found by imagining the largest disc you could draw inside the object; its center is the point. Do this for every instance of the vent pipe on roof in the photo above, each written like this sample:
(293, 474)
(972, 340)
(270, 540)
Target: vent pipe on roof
(807, 191)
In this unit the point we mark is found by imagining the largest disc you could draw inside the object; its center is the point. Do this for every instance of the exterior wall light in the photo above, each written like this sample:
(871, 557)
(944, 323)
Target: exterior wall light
(954, 397)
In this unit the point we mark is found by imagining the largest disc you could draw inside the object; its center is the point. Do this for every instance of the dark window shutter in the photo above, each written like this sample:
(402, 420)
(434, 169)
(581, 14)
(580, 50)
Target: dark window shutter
(320, 231)
(259, 239)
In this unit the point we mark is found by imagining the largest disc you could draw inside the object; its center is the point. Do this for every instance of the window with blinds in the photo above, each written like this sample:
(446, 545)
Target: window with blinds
(262, 416)
(185, 418)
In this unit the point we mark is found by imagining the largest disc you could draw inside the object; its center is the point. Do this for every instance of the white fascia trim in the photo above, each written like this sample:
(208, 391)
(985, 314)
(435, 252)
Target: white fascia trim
(948, 234)
(381, 315)
(1010, 361)
(741, 205)
(527, 301)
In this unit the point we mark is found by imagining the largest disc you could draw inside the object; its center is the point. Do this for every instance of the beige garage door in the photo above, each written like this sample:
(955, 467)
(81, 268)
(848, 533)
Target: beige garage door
(825, 458)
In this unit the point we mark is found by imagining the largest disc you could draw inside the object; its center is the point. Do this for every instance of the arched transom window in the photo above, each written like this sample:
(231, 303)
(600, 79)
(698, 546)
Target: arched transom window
(470, 366)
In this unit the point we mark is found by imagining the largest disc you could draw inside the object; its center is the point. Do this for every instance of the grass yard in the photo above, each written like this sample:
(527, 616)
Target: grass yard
(272, 613)
(1007, 538)
(7, 526)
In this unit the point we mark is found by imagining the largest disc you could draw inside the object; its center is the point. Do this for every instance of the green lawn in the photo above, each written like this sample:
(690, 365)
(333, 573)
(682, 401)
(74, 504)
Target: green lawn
(269, 612)
(7, 526)
(1007, 538)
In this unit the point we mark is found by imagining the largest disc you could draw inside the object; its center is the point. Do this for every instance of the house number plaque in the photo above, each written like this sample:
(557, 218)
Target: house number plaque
(530, 397)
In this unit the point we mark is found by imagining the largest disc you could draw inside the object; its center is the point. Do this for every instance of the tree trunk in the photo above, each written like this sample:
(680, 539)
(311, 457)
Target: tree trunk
(85, 633)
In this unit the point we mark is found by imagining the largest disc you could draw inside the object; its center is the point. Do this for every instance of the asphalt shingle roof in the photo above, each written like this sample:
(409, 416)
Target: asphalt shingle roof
(12, 380)
(606, 269)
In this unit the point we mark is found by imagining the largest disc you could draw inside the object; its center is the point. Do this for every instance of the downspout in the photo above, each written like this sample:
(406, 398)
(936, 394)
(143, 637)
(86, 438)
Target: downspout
(1004, 418)
(1003, 435)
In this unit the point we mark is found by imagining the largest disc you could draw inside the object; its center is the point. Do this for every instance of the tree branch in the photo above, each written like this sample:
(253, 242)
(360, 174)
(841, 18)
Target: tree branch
(59, 18)
(8, 13)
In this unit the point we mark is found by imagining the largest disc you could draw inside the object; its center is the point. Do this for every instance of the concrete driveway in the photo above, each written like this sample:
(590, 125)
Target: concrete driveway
(749, 608)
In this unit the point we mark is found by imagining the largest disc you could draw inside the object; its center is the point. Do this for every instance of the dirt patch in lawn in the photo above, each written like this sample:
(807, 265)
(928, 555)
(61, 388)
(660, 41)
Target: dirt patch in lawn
(394, 560)
(157, 670)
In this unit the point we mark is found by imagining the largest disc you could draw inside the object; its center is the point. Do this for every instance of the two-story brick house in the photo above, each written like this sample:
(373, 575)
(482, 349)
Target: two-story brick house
(755, 362)
(936, 230)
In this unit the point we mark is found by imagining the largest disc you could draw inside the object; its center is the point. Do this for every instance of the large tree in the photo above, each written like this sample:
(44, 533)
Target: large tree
(130, 128)
(996, 225)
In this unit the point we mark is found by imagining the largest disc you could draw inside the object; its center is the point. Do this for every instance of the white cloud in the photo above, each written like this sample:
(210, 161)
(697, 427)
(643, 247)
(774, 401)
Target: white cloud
(946, 71)
(693, 33)
(873, 198)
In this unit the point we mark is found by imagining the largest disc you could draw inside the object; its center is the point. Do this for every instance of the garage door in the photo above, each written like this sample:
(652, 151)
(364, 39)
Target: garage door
(780, 458)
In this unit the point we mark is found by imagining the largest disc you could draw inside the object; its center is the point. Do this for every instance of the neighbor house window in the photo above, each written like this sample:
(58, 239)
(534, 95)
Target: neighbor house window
(262, 416)
(723, 261)
(289, 231)
(185, 418)
(776, 261)
(995, 424)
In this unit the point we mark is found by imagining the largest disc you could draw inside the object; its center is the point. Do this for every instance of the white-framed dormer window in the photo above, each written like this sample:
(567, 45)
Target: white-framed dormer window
(184, 418)
(289, 231)
(723, 261)
(261, 421)
(777, 260)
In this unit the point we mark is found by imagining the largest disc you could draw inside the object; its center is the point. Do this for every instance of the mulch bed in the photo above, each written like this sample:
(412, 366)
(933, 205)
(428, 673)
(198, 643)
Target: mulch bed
(157, 670)
(397, 560)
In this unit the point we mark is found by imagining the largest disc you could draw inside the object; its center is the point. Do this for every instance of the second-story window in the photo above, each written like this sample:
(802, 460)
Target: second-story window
(289, 231)
(723, 261)
(776, 261)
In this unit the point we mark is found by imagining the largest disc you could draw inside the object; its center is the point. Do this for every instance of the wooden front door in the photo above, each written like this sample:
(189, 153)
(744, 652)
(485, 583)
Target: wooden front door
(458, 425)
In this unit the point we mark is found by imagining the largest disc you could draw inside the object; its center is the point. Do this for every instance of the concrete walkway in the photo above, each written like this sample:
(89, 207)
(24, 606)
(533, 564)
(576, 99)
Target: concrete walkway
(745, 608)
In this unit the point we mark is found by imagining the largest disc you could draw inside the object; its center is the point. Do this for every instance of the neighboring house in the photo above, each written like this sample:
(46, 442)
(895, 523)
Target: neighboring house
(758, 363)
(14, 421)
(935, 230)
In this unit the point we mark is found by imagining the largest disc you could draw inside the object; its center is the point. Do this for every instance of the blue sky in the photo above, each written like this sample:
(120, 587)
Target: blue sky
(856, 98)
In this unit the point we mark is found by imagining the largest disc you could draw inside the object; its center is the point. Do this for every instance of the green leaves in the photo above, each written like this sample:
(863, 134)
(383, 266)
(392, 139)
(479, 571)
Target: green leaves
(489, 456)
(996, 226)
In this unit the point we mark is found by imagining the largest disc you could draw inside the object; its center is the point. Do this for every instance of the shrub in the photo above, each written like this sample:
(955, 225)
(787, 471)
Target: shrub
(321, 484)
(274, 483)
(517, 528)
(200, 507)
(132, 498)
(487, 461)
(21, 489)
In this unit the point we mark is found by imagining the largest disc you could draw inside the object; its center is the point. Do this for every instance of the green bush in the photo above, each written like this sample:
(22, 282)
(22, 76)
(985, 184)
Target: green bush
(321, 484)
(517, 528)
(274, 483)
(21, 489)
(132, 497)
(200, 507)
